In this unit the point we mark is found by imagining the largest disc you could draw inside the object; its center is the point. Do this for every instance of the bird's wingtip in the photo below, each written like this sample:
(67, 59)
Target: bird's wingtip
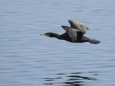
(64, 26)
(69, 21)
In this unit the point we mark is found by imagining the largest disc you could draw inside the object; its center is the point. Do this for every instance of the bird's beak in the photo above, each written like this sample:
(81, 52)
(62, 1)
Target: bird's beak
(44, 34)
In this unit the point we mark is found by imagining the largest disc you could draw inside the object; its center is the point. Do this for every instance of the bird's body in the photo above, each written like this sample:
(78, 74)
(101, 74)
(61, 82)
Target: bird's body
(74, 34)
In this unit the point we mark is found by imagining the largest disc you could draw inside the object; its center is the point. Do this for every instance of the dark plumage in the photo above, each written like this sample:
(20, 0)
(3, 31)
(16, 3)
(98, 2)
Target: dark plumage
(74, 34)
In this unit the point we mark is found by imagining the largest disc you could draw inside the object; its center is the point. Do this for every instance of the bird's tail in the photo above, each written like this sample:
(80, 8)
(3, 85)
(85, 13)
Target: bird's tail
(94, 41)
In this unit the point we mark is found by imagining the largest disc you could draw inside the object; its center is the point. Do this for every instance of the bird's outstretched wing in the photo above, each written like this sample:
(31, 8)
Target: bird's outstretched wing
(76, 25)
(73, 33)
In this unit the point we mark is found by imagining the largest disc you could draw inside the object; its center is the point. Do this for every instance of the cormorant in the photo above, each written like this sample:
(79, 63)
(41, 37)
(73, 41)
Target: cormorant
(74, 34)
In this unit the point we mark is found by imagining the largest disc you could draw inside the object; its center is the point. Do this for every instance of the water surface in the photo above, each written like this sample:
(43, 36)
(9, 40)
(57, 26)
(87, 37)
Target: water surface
(28, 59)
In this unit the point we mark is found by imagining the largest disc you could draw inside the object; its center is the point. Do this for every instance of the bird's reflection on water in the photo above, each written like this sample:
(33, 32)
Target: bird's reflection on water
(71, 79)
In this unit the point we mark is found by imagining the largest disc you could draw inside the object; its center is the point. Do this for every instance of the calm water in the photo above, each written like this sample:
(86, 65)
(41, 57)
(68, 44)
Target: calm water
(28, 59)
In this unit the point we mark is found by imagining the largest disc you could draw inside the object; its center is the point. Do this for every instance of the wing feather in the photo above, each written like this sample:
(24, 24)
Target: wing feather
(79, 26)
(71, 32)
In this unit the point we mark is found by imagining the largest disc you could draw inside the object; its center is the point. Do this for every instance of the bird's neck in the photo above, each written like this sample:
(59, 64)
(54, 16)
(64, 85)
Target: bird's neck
(55, 35)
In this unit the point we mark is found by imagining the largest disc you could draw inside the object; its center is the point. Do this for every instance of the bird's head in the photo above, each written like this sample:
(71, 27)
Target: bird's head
(50, 34)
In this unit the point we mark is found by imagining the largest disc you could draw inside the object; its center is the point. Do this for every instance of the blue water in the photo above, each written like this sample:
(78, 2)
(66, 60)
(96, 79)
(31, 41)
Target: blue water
(29, 59)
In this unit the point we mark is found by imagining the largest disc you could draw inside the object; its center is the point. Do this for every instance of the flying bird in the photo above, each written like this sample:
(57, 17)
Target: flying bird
(74, 33)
